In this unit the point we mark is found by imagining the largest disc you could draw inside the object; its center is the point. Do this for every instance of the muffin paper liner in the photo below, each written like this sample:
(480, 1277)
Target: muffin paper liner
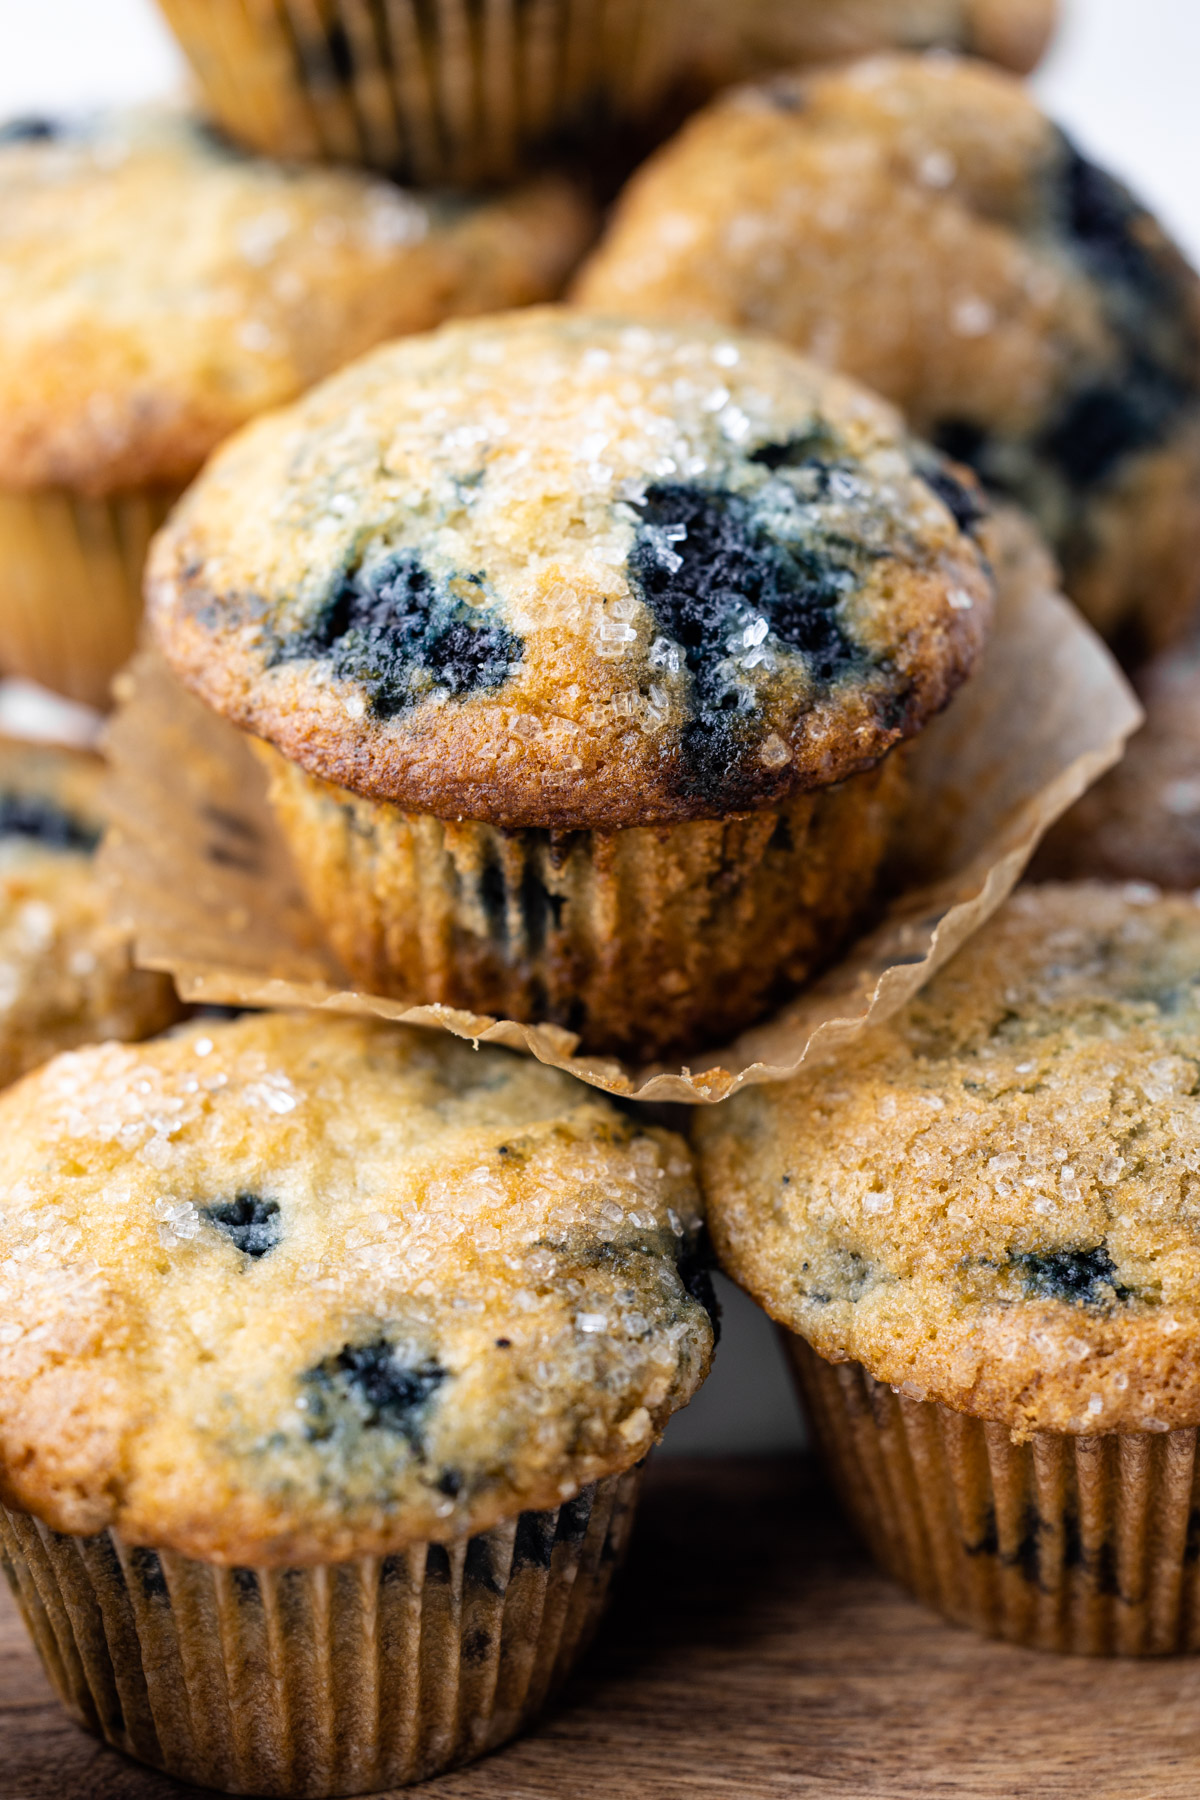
(1081, 1544)
(71, 585)
(202, 875)
(638, 940)
(345, 1678)
(428, 90)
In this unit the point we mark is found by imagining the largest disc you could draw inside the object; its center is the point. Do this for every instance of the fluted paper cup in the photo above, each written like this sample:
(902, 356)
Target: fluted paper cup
(344, 1678)
(1062, 1542)
(429, 90)
(71, 585)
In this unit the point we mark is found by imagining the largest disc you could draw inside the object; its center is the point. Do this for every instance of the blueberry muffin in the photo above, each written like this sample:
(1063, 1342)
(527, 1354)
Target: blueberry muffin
(979, 1230)
(158, 289)
(579, 649)
(330, 1352)
(66, 973)
(758, 37)
(435, 90)
(919, 223)
(1142, 821)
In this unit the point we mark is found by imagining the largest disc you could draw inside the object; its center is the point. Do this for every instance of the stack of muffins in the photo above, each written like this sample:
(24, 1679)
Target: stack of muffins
(582, 646)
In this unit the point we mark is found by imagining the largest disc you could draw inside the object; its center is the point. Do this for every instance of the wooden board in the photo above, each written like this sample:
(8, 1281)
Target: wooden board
(753, 1654)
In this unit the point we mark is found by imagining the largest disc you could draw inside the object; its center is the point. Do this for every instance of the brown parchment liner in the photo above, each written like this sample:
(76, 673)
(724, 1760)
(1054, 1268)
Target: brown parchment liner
(343, 1678)
(203, 879)
(1062, 1542)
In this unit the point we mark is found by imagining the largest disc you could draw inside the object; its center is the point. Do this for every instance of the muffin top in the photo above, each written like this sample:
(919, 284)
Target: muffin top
(756, 37)
(294, 1288)
(1142, 821)
(546, 569)
(994, 1200)
(158, 288)
(66, 975)
(918, 222)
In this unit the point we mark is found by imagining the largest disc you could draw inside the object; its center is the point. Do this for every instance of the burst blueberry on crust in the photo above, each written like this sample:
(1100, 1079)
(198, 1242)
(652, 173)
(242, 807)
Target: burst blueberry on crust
(292, 1289)
(558, 571)
(920, 223)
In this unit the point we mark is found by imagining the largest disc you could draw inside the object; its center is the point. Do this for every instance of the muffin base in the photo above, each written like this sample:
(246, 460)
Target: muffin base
(427, 90)
(342, 1679)
(640, 941)
(1079, 1544)
(71, 585)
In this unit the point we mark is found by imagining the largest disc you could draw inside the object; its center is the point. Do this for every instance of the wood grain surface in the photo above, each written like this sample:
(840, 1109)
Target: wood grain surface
(752, 1654)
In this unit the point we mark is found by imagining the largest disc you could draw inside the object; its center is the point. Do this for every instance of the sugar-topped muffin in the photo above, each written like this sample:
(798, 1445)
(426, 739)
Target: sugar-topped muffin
(920, 223)
(1142, 821)
(545, 581)
(66, 970)
(991, 1197)
(989, 1206)
(321, 1296)
(129, 346)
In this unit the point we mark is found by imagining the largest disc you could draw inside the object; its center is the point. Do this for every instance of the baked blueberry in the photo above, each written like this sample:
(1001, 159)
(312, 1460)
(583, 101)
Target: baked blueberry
(253, 1225)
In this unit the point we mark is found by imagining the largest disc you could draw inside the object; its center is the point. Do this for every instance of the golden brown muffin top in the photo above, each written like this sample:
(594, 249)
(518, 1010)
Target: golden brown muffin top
(296, 1288)
(1142, 821)
(994, 1201)
(157, 288)
(756, 37)
(918, 222)
(546, 569)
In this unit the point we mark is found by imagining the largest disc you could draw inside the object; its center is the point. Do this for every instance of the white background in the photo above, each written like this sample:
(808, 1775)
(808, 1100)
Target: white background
(1122, 77)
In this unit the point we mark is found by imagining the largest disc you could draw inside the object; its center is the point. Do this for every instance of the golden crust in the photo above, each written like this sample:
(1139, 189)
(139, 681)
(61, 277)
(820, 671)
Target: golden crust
(995, 1202)
(130, 346)
(519, 486)
(462, 1300)
(921, 224)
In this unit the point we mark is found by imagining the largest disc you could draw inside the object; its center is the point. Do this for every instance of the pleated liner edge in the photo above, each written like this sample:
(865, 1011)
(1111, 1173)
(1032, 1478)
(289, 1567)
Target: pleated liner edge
(1083, 1544)
(341, 1679)
(428, 90)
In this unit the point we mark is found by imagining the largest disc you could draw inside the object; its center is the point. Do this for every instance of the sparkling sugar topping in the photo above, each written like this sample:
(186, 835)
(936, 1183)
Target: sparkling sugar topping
(375, 1276)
